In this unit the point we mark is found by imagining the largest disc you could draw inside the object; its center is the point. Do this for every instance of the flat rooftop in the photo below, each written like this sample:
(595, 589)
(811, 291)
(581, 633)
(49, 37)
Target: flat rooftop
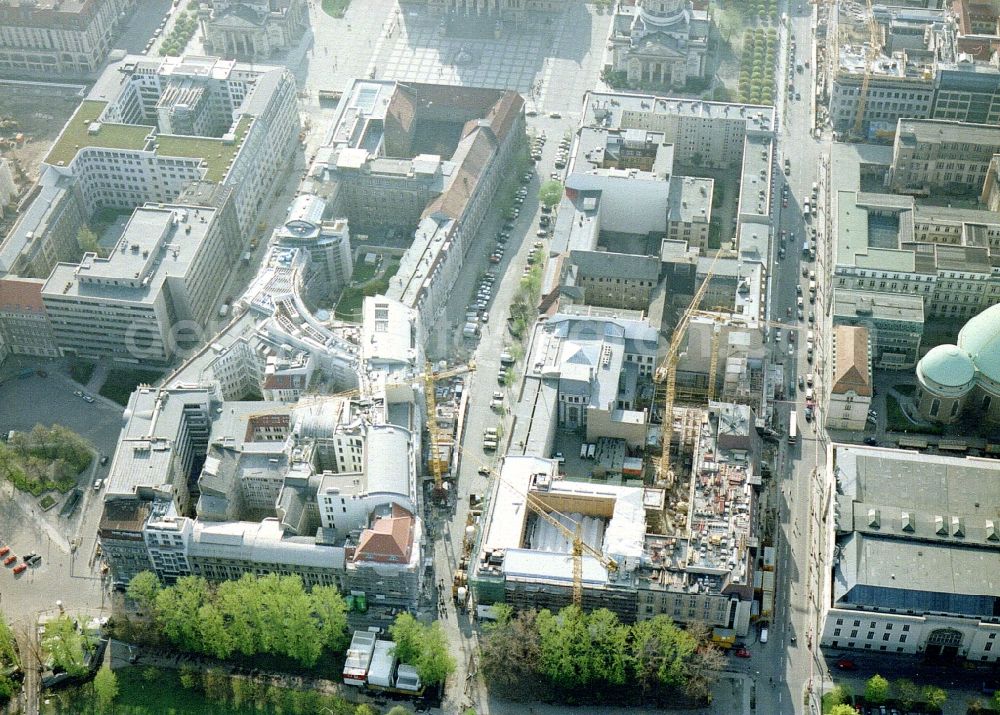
(936, 131)
(609, 109)
(85, 130)
(158, 242)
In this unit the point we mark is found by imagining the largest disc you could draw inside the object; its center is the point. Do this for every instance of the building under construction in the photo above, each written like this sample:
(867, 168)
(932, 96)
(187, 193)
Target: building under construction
(686, 551)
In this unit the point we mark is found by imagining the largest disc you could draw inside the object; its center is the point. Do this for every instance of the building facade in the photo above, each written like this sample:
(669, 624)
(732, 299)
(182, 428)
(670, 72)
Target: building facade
(254, 30)
(660, 43)
(913, 550)
(68, 38)
(850, 379)
(932, 155)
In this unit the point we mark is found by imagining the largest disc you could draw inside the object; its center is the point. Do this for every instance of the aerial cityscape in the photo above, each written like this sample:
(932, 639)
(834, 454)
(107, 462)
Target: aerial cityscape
(499, 357)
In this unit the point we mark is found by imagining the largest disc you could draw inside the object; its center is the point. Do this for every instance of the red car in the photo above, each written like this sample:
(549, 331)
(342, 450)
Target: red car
(847, 664)
(9, 560)
(742, 653)
(4, 550)
(20, 568)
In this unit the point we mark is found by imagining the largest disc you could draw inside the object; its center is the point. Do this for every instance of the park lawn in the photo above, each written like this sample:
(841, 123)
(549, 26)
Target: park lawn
(897, 421)
(121, 383)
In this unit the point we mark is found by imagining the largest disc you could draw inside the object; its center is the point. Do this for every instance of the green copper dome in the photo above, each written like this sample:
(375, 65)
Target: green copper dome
(980, 338)
(947, 366)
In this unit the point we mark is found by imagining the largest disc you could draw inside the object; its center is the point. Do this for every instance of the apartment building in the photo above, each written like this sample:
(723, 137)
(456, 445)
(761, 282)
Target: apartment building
(967, 91)
(67, 38)
(159, 283)
(895, 324)
(24, 323)
(930, 155)
(914, 549)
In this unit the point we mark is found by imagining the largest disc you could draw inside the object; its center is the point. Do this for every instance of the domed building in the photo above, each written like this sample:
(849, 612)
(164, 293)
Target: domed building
(953, 379)
(660, 43)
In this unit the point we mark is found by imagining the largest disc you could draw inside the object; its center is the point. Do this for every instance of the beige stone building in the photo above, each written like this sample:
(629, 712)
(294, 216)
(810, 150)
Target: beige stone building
(850, 378)
(253, 30)
(41, 38)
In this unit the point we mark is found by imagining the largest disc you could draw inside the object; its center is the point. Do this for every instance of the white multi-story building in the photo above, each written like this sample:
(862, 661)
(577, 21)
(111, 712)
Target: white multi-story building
(42, 38)
(159, 282)
(914, 553)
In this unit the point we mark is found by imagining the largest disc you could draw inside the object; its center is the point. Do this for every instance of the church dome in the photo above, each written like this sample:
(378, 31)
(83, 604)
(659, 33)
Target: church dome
(662, 12)
(980, 338)
(946, 369)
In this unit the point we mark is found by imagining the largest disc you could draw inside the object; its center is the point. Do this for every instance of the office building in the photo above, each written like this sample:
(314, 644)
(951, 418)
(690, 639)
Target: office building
(159, 281)
(64, 38)
(932, 155)
(522, 560)
(327, 241)
(895, 324)
(24, 324)
(423, 160)
(914, 555)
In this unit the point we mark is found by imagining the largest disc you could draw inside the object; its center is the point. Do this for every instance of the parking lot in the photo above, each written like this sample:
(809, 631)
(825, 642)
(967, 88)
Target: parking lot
(66, 545)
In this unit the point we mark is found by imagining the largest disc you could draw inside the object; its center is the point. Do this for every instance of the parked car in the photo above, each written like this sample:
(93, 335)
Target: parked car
(846, 664)
(9, 560)
(742, 653)
(19, 569)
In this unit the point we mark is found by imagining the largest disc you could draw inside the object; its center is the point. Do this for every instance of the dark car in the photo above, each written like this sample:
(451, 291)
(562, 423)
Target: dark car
(847, 664)
(871, 441)
(742, 653)
(104, 460)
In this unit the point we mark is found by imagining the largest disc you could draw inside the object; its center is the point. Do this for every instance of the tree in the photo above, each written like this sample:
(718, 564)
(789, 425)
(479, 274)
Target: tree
(398, 710)
(143, 589)
(87, 241)
(996, 700)
(876, 690)
(331, 612)
(661, 652)
(907, 692)
(365, 709)
(64, 642)
(509, 652)
(406, 632)
(212, 632)
(105, 687)
(608, 646)
(177, 611)
(843, 709)
(550, 193)
(565, 647)
(839, 694)
(435, 663)
(934, 696)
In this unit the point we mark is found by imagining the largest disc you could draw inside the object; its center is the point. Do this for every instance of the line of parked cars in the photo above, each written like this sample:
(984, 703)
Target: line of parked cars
(10, 559)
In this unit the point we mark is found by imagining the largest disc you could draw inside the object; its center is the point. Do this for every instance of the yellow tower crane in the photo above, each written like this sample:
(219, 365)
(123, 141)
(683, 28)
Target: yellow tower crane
(871, 54)
(573, 535)
(666, 374)
(436, 444)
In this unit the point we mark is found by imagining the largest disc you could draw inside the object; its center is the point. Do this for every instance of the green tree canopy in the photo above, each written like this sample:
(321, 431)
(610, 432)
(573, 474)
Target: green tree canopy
(906, 691)
(843, 709)
(550, 193)
(877, 689)
(143, 589)
(66, 644)
(423, 646)
(934, 696)
(105, 687)
(406, 632)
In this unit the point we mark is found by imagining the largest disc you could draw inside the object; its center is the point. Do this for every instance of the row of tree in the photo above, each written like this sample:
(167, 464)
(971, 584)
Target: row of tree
(566, 653)
(271, 614)
(879, 690)
(8, 661)
(276, 615)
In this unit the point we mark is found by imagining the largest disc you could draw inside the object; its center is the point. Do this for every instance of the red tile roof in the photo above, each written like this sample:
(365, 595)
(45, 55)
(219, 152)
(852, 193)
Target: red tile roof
(389, 539)
(21, 295)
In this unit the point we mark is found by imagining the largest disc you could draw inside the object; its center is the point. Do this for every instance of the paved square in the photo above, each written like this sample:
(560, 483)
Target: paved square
(418, 51)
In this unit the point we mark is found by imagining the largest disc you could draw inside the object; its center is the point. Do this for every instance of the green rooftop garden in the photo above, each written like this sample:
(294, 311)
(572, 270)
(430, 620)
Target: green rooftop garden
(215, 153)
(76, 135)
